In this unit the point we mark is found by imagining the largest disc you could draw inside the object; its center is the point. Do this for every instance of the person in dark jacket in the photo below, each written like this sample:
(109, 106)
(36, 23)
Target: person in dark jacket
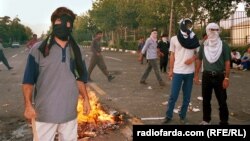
(97, 58)
(163, 50)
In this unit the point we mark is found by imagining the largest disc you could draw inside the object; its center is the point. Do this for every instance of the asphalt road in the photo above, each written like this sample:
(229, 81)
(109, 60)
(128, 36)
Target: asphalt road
(125, 94)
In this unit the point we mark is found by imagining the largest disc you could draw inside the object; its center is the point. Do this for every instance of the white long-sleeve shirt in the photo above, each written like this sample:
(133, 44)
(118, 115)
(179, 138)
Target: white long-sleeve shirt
(150, 47)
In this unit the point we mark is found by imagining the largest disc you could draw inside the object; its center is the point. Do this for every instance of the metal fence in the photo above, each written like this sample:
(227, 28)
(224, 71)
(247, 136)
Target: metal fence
(236, 29)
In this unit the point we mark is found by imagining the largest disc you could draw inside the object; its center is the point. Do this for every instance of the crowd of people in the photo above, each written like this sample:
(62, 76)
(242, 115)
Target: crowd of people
(240, 62)
(58, 60)
(186, 56)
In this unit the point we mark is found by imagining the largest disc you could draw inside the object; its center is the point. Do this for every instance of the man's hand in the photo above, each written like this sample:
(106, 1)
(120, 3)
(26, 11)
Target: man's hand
(86, 107)
(196, 80)
(161, 54)
(190, 60)
(170, 75)
(29, 113)
(225, 83)
(140, 57)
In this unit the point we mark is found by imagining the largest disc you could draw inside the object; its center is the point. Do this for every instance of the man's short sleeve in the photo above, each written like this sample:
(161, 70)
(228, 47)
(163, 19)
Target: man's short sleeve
(32, 67)
(172, 45)
(226, 52)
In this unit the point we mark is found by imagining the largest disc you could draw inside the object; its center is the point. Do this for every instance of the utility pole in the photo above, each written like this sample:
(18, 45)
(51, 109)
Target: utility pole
(171, 20)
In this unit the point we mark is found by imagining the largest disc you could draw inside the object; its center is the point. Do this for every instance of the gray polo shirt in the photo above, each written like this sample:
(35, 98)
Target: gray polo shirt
(56, 91)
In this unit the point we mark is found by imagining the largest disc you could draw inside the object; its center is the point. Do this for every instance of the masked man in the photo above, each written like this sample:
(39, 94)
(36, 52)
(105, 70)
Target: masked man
(57, 73)
(181, 71)
(215, 55)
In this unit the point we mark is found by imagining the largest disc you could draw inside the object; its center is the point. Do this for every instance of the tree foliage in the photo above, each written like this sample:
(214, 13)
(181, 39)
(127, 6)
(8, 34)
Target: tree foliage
(141, 15)
(13, 30)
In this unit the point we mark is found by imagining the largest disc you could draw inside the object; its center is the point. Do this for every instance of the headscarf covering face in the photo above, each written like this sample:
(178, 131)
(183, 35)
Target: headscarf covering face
(153, 34)
(186, 36)
(64, 33)
(213, 43)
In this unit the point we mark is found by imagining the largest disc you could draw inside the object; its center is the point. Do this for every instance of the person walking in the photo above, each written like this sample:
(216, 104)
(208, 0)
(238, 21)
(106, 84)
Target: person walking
(215, 55)
(54, 76)
(163, 49)
(2, 56)
(97, 57)
(32, 41)
(181, 71)
(150, 48)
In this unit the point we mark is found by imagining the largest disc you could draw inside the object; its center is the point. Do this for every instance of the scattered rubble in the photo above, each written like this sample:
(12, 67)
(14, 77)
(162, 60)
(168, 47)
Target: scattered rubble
(200, 98)
(150, 88)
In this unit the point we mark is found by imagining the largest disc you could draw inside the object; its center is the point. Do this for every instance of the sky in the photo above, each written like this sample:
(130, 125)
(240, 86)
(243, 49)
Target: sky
(36, 13)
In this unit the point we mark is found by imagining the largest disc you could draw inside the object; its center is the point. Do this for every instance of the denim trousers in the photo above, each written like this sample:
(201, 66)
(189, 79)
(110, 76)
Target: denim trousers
(184, 81)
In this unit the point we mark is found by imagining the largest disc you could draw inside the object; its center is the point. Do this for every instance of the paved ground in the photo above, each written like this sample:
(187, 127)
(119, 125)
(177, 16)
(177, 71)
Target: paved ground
(147, 103)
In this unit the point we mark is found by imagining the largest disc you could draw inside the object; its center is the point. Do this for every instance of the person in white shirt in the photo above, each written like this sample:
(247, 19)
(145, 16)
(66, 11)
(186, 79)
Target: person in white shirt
(181, 71)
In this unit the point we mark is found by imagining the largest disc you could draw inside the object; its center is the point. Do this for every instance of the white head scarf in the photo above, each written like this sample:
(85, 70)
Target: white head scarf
(153, 35)
(213, 44)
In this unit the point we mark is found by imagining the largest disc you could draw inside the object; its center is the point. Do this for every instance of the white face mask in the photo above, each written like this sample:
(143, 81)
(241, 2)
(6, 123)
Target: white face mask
(164, 39)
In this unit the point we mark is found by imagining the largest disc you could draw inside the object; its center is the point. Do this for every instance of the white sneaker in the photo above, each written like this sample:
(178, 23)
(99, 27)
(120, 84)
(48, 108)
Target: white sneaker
(205, 123)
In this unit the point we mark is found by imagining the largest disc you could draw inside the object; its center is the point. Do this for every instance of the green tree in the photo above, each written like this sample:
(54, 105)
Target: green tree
(13, 30)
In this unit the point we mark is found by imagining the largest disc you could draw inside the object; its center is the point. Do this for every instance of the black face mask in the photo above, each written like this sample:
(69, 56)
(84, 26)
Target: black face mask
(61, 32)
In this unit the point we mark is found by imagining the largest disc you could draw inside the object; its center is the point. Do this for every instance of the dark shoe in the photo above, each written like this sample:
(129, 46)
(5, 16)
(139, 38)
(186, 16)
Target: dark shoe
(110, 77)
(162, 83)
(10, 68)
(183, 121)
(143, 82)
(167, 120)
(223, 123)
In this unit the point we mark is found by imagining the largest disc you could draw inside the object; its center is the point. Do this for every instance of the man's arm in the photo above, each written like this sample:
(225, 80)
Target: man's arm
(143, 50)
(83, 92)
(227, 58)
(29, 111)
(145, 47)
(197, 71)
(227, 72)
(171, 65)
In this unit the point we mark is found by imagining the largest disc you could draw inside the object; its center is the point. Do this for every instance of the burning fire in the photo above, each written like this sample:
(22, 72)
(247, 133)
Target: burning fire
(97, 119)
(96, 114)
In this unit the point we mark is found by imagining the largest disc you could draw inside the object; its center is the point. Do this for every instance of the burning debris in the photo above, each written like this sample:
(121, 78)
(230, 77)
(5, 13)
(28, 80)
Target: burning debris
(98, 121)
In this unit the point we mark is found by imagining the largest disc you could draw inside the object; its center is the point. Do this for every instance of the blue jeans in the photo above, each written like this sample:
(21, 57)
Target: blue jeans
(184, 81)
(246, 65)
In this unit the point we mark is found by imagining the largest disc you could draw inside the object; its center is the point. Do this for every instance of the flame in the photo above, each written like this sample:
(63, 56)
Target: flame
(96, 114)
